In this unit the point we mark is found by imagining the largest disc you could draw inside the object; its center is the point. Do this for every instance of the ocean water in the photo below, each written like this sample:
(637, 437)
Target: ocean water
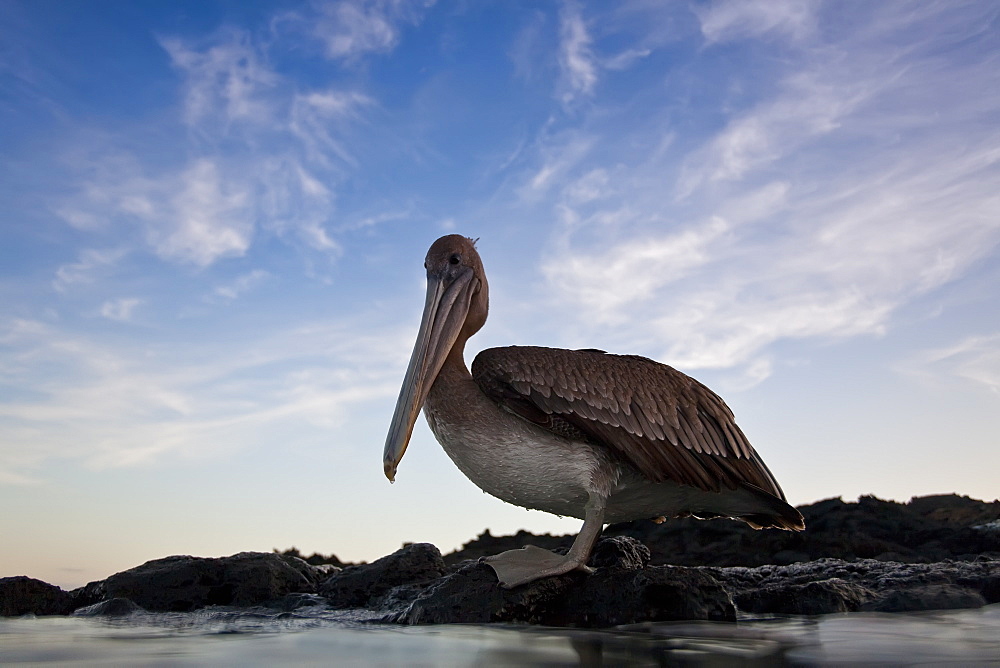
(316, 636)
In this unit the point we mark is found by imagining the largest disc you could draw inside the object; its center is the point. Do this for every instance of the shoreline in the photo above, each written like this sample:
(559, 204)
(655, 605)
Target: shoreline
(935, 552)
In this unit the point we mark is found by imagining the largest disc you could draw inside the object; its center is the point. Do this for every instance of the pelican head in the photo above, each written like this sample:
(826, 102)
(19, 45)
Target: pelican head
(455, 308)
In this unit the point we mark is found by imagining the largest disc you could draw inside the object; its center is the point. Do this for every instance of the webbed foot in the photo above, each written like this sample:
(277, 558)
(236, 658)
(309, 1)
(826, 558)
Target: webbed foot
(530, 563)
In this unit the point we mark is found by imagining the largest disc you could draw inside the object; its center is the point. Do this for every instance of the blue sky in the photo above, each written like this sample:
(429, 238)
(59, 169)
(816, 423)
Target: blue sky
(213, 217)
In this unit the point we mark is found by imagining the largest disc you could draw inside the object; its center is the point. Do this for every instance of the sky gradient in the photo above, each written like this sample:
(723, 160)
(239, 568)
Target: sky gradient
(213, 217)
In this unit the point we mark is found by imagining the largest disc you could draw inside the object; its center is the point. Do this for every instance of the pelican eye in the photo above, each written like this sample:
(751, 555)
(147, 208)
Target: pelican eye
(455, 258)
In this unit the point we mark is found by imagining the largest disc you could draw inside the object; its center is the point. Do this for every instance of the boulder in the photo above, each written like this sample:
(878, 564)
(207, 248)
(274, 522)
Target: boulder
(610, 596)
(473, 595)
(656, 594)
(621, 553)
(360, 586)
(183, 583)
(21, 595)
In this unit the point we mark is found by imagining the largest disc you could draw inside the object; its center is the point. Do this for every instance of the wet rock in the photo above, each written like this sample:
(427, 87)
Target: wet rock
(22, 595)
(113, 607)
(927, 597)
(608, 597)
(827, 585)
(813, 598)
(473, 595)
(401, 596)
(182, 583)
(292, 602)
(655, 594)
(622, 553)
(361, 586)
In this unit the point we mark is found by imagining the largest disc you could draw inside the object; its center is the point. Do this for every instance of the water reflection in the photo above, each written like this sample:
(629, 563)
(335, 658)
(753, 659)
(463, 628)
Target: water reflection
(319, 636)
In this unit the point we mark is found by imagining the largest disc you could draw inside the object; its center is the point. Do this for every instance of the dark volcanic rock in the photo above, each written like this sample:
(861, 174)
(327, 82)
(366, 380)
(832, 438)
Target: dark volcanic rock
(182, 583)
(812, 598)
(608, 597)
(113, 607)
(655, 594)
(622, 553)
(295, 601)
(360, 586)
(955, 510)
(925, 530)
(473, 595)
(22, 595)
(834, 585)
(927, 597)
(315, 559)
(931, 553)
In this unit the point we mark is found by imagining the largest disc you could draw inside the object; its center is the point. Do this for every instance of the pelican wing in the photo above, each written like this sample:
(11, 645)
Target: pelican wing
(661, 421)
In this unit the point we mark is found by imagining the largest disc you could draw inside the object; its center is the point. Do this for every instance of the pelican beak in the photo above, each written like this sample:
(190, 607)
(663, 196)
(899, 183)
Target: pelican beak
(445, 310)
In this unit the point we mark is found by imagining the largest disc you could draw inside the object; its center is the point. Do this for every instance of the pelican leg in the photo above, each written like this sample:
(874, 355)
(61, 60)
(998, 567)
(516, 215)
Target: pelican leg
(530, 563)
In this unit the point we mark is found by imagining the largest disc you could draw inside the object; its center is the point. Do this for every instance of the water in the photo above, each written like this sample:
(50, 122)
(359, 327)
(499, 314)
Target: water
(323, 637)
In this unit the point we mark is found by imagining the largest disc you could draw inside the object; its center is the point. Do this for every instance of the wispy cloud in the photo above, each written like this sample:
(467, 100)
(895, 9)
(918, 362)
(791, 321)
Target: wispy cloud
(120, 309)
(93, 264)
(594, 185)
(625, 59)
(528, 49)
(560, 156)
(228, 76)
(264, 158)
(811, 104)
(315, 119)
(606, 283)
(241, 285)
(975, 358)
(208, 218)
(727, 20)
(575, 57)
(194, 216)
(353, 28)
(114, 406)
(801, 217)
(294, 203)
(721, 292)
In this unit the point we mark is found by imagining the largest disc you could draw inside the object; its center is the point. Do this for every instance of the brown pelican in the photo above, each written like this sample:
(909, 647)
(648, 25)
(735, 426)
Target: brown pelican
(603, 438)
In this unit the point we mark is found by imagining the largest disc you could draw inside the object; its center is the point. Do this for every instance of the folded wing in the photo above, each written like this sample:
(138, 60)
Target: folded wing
(664, 423)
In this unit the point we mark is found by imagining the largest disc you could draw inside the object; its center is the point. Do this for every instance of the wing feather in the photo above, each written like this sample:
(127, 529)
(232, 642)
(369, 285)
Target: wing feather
(661, 421)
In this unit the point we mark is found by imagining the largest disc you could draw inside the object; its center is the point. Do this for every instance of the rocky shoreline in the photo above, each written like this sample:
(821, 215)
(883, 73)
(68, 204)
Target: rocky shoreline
(939, 552)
